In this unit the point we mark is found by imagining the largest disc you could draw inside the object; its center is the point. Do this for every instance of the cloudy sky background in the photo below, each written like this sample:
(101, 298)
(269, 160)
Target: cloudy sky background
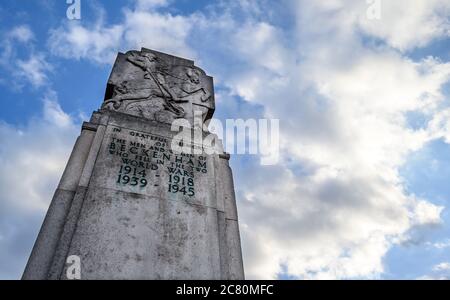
(361, 189)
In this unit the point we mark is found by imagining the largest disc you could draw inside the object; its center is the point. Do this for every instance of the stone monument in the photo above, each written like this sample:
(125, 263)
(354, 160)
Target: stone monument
(130, 207)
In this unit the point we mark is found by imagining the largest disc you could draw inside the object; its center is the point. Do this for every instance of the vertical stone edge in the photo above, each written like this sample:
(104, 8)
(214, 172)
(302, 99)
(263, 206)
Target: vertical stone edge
(63, 246)
(232, 267)
(41, 256)
(213, 232)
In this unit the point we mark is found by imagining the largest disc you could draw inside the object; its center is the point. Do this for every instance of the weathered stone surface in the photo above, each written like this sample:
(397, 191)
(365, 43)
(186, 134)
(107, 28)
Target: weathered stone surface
(140, 237)
(41, 257)
(45, 246)
(159, 87)
(129, 206)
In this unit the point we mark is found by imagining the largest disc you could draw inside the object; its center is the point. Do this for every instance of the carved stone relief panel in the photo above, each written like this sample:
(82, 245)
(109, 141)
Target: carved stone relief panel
(159, 87)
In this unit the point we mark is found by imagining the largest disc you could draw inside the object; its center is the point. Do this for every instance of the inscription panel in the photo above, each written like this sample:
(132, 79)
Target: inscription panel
(143, 163)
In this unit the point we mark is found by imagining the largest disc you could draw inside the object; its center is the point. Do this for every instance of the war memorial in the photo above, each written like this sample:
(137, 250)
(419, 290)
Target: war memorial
(136, 201)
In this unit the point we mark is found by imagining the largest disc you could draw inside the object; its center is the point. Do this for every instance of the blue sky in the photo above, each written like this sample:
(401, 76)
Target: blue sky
(360, 190)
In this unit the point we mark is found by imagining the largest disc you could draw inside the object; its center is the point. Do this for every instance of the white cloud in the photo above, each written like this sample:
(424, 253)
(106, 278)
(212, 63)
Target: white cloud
(441, 244)
(100, 42)
(257, 42)
(21, 33)
(403, 24)
(336, 203)
(53, 112)
(149, 4)
(445, 266)
(425, 212)
(158, 31)
(408, 24)
(343, 108)
(440, 271)
(32, 70)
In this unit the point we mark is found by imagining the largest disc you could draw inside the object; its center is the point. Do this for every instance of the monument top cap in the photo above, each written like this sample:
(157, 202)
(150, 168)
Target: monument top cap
(159, 86)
